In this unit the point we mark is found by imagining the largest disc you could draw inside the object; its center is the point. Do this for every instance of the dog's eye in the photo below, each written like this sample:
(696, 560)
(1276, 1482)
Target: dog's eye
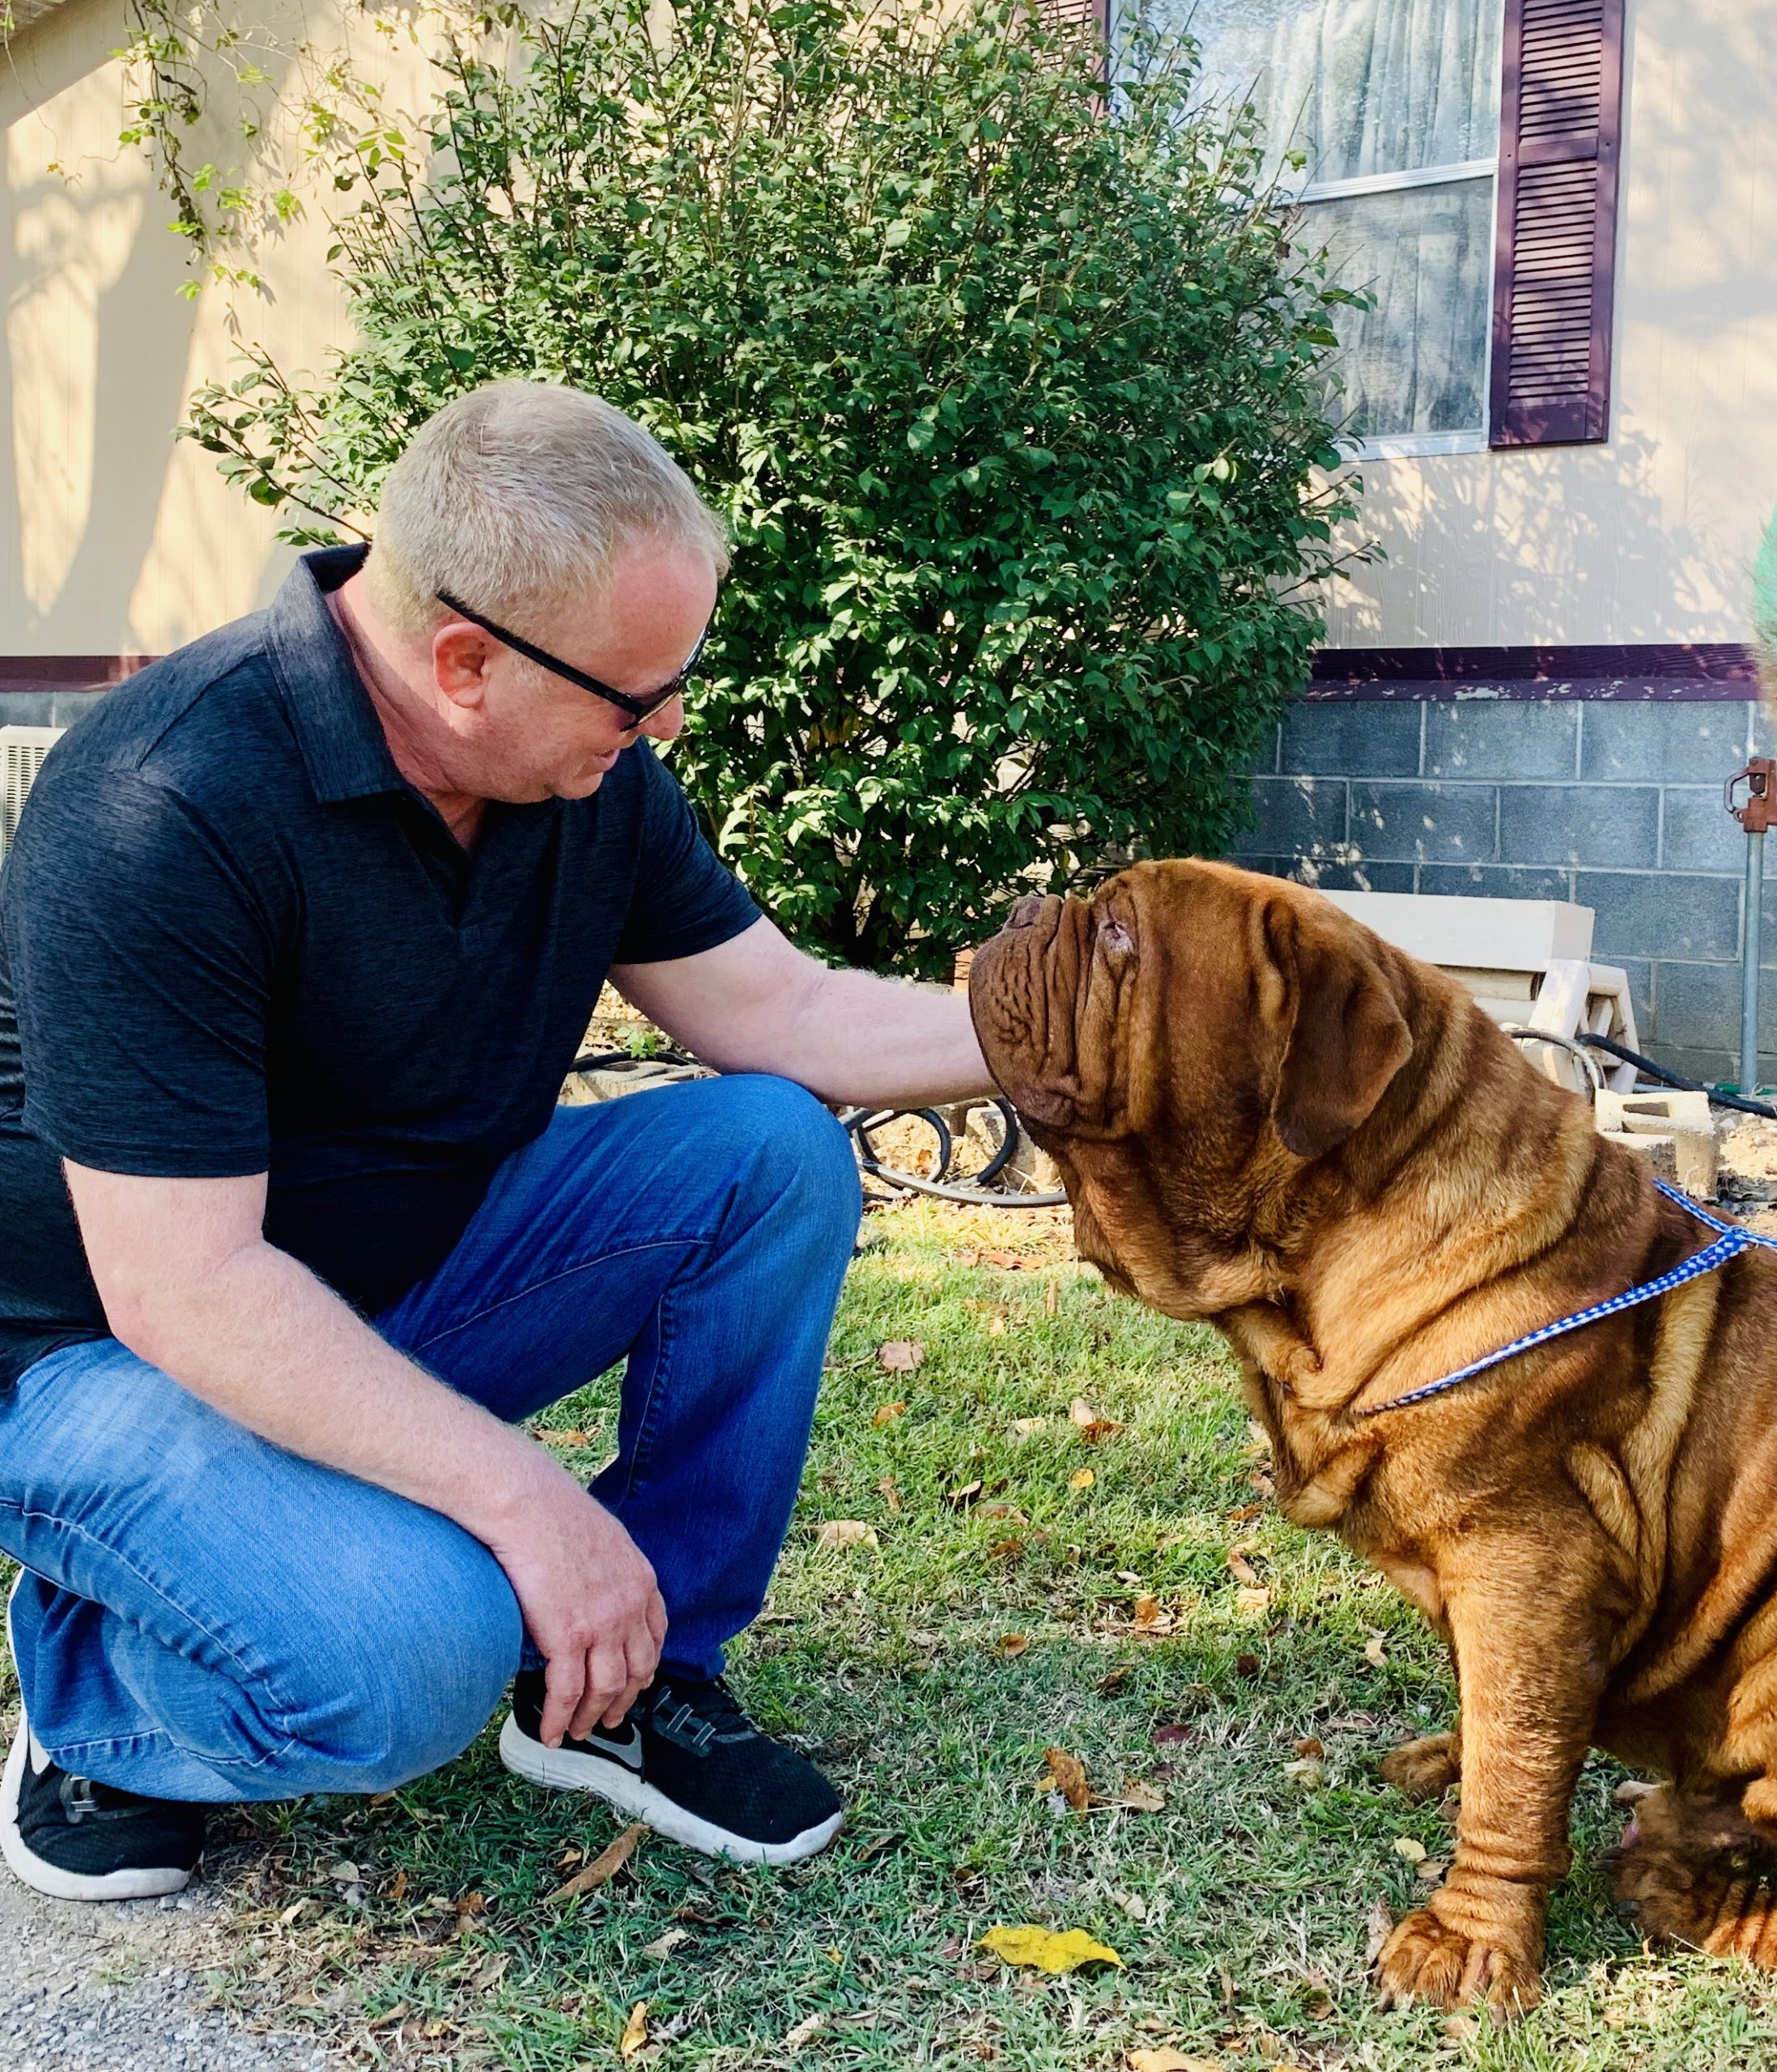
(1114, 939)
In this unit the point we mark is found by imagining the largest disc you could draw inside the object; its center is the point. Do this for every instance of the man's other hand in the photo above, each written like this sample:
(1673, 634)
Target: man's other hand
(590, 1603)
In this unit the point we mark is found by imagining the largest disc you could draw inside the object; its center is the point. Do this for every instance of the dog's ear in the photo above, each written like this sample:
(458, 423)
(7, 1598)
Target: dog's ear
(1345, 1036)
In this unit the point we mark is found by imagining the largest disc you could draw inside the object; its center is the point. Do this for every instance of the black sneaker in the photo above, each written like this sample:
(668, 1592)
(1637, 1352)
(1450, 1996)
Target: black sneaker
(689, 1762)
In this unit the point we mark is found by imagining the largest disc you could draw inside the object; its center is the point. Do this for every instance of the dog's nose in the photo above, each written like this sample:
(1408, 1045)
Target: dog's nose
(1026, 912)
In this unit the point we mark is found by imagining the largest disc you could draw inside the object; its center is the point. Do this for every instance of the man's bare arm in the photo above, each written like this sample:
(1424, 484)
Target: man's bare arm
(189, 1284)
(756, 1003)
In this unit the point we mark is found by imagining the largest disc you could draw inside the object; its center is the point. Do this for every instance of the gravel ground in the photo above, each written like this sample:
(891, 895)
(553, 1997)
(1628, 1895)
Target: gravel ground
(121, 1987)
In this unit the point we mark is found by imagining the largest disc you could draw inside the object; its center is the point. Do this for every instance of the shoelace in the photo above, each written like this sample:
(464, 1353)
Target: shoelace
(697, 1715)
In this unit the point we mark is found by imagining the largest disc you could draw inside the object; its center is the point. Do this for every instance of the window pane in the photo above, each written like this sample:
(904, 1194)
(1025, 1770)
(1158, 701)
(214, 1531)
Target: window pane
(1417, 362)
(1364, 86)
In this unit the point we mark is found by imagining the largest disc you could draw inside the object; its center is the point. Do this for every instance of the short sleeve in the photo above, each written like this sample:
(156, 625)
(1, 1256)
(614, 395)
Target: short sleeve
(685, 899)
(140, 968)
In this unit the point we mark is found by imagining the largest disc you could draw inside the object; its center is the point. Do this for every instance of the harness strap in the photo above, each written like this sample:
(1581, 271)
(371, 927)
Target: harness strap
(1732, 1241)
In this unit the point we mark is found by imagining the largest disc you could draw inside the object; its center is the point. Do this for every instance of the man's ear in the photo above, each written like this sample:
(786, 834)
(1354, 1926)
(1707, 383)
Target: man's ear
(1345, 1035)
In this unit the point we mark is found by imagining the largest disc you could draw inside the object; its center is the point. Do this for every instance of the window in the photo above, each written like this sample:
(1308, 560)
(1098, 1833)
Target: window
(1395, 105)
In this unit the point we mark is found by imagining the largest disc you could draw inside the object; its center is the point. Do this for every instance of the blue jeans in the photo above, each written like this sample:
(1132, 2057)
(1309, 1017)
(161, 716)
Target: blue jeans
(210, 1618)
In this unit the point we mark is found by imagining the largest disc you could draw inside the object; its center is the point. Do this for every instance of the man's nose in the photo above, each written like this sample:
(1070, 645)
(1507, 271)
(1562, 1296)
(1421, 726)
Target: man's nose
(667, 724)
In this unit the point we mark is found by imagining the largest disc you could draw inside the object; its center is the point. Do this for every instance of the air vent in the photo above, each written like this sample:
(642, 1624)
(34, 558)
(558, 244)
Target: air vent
(22, 752)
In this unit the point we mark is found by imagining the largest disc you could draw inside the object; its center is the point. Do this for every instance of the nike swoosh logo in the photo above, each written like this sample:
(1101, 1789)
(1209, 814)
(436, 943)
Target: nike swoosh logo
(628, 1753)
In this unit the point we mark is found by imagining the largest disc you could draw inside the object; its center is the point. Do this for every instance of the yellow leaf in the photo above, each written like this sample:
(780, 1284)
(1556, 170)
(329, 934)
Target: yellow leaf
(888, 1413)
(1083, 1478)
(1069, 1774)
(1169, 2060)
(634, 2031)
(846, 1532)
(1025, 1426)
(1374, 1653)
(1047, 1950)
(1142, 1797)
(1014, 1644)
(1414, 1851)
(901, 1356)
(1252, 1600)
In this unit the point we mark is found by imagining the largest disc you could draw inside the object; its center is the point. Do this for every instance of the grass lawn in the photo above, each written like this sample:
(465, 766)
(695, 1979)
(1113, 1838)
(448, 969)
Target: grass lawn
(998, 1613)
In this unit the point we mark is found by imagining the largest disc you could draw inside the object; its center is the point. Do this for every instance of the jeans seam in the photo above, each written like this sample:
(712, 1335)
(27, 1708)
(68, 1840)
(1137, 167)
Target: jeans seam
(248, 1675)
(645, 1421)
(419, 1346)
(120, 1744)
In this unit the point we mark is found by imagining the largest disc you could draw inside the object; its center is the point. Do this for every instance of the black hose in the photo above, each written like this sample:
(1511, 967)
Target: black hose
(1746, 1105)
(977, 1194)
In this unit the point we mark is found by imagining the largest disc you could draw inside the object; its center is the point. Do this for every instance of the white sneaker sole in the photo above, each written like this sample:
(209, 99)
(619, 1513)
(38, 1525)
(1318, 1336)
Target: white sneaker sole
(564, 1769)
(47, 1877)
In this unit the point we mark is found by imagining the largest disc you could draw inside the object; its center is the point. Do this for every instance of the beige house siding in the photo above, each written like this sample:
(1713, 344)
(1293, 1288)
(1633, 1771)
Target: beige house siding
(1649, 537)
(115, 538)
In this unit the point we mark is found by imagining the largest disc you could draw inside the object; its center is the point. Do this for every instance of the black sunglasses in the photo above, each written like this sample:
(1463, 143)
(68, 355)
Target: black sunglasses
(638, 708)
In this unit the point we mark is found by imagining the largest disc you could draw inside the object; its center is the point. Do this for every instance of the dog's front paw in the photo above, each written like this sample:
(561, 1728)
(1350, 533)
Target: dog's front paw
(1425, 1959)
(1424, 1769)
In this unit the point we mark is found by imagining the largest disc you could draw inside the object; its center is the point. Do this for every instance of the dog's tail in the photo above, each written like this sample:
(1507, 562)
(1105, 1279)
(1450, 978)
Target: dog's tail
(1765, 611)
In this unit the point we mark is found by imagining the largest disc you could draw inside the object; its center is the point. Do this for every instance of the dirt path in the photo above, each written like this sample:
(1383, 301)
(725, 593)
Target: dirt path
(122, 1988)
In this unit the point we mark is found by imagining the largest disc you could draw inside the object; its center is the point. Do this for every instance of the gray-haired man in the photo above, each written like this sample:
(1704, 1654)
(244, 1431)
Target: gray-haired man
(301, 932)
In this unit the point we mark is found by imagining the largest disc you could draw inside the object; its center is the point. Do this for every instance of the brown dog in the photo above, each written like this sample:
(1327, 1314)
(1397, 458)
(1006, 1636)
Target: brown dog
(1267, 1117)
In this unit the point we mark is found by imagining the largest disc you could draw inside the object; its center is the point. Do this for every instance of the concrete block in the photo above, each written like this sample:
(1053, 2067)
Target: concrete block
(1617, 825)
(1264, 761)
(1698, 833)
(1649, 914)
(1692, 743)
(1295, 817)
(1335, 877)
(1681, 1122)
(29, 708)
(1709, 1066)
(1510, 739)
(1433, 823)
(1352, 738)
(1697, 1007)
(1496, 880)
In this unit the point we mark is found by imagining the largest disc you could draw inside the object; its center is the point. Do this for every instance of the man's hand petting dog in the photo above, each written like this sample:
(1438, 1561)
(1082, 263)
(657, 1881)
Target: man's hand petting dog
(1266, 1116)
(589, 1599)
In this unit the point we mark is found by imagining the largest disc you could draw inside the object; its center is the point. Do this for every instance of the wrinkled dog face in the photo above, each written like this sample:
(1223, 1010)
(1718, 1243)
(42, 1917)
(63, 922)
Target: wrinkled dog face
(1181, 1043)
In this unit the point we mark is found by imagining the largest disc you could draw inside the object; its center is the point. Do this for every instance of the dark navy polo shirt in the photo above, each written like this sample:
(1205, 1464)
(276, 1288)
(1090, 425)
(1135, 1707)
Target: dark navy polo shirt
(234, 941)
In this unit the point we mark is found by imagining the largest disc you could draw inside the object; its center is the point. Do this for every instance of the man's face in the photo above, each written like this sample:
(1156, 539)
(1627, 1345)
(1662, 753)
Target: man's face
(523, 734)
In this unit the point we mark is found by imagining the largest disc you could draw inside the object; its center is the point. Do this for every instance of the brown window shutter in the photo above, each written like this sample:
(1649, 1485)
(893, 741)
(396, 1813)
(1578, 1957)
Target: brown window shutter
(1073, 13)
(1554, 266)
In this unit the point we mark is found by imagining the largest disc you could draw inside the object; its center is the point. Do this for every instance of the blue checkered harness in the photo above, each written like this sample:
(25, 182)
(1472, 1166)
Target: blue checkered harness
(1731, 1241)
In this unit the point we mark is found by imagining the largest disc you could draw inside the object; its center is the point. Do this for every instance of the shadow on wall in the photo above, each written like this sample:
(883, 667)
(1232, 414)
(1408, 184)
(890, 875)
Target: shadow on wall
(98, 347)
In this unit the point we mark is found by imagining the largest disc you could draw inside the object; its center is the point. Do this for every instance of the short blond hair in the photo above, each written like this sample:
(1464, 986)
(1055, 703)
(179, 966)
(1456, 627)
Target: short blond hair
(520, 495)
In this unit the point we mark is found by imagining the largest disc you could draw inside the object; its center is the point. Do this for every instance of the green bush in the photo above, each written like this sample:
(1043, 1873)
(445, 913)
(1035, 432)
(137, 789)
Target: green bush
(1009, 389)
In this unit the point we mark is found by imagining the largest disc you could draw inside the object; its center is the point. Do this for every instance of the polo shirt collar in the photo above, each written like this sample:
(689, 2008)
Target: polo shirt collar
(343, 746)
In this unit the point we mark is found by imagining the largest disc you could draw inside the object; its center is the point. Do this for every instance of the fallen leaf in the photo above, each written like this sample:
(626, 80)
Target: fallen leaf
(876, 1847)
(634, 2033)
(1374, 1653)
(889, 1493)
(1142, 1797)
(1311, 1745)
(1000, 1509)
(1113, 1680)
(1255, 1599)
(1246, 1515)
(1173, 1732)
(1025, 1426)
(1241, 1569)
(398, 1890)
(846, 1532)
(1262, 1482)
(1052, 1297)
(1068, 1775)
(962, 1496)
(1147, 1612)
(1412, 1849)
(470, 1904)
(810, 2025)
(1247, 1667)
(663, 1946)
(901, 1356)
(600, 1870)
(1091, 1426)
(1047, 1950)
(1431, 1872)
(1083, 1478)
(1005, 1550)
(1378, 1926)
(998, 1324)
(1166, 2059)
(1309, 1772)
(1006, 1261)
(568, 1439)
(888, 1413)
(1014, 1644)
